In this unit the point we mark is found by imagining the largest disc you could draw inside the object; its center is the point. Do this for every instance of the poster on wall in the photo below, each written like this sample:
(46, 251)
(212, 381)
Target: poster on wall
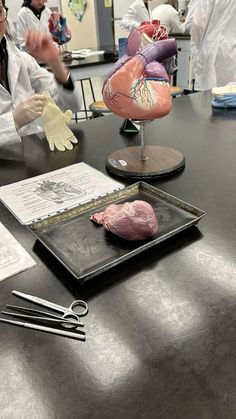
(78, 7)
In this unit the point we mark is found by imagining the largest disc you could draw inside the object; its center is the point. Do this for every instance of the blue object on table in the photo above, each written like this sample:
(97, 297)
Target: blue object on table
(122, 42)
(225, 101)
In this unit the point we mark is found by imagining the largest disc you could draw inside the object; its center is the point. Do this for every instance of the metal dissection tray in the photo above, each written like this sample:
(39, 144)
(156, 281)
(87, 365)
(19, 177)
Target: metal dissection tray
(87, 249)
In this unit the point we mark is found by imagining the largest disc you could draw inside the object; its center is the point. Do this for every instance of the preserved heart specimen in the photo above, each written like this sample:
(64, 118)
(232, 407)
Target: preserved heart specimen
(132, 220)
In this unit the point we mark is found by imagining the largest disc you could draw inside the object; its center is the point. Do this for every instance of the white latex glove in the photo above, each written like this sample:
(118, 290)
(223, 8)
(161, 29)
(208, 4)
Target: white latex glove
(28, 110)
(59, 136)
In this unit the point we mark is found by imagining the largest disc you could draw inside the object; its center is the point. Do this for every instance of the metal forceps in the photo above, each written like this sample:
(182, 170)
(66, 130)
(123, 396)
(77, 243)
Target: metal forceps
(68, 313)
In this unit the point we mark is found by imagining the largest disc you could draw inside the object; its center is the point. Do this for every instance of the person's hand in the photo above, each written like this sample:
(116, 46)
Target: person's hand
(41, 46)
(28, 110)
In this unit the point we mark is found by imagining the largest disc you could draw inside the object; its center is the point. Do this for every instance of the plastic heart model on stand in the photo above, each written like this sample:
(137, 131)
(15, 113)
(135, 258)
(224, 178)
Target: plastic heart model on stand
(58, 28)
(138, 88)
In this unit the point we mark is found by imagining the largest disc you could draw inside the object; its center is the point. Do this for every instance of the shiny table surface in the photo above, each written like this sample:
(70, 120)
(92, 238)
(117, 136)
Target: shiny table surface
(161, 330)
(94, 65)
(96, 59)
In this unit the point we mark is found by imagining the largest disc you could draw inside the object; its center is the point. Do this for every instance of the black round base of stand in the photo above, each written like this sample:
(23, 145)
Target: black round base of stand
(157, 161)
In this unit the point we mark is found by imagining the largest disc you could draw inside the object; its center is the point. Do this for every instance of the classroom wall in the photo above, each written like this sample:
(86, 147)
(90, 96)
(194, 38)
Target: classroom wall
(84, 33)
(15, 5)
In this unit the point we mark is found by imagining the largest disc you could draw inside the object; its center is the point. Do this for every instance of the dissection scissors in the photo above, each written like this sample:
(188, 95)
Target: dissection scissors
(57, 320)
(68, 313)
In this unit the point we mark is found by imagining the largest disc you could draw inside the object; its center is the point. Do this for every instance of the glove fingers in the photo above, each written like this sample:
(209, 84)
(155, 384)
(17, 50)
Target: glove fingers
(51, 144)
(74, 140)
(69, 141)
(68, 145)
(59, 145)
(66, 142)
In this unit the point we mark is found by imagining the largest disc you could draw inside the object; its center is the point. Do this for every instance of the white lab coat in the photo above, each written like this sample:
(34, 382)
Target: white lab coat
(11, 29)
(187, 27)
(189, 18)
(26, 19)
(168, 17)
(214, 34)
(26, 78)
(136, 14)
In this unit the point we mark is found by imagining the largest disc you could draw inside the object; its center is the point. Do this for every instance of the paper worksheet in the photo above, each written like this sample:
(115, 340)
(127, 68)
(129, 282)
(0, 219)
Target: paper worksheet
(13, 257)
(83, 53)
(37, 198)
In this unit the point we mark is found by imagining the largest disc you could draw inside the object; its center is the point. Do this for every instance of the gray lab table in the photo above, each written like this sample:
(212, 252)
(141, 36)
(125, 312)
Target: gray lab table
(161, 330)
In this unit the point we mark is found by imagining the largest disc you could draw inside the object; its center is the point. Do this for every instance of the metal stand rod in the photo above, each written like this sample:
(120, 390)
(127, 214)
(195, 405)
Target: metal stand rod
(142, 153)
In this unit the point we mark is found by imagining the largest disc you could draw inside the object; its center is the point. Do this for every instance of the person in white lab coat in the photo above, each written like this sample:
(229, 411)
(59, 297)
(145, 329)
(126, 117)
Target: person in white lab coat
(214, 33)
(187, 28)
(11, 29)
(137, 13)
(189, 18)
(33, 15)
(22, 80)
(168, 15)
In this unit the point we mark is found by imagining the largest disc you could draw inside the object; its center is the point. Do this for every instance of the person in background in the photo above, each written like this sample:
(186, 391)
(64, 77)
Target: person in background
(167, 13)
(11, 29)
(213, 31)
(22, 80)
(187, 28)
(33, 15)
(137, 13)
(189, 17)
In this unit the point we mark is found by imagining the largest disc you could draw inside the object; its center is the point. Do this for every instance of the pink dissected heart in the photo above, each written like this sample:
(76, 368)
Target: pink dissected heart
(131, 221)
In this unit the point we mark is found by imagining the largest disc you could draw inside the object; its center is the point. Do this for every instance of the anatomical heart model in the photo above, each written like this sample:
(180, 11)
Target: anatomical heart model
(138, 88)
(58, 28)
(138, 85)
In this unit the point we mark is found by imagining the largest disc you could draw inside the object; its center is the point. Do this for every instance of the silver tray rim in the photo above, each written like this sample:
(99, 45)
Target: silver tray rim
(112, 198)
